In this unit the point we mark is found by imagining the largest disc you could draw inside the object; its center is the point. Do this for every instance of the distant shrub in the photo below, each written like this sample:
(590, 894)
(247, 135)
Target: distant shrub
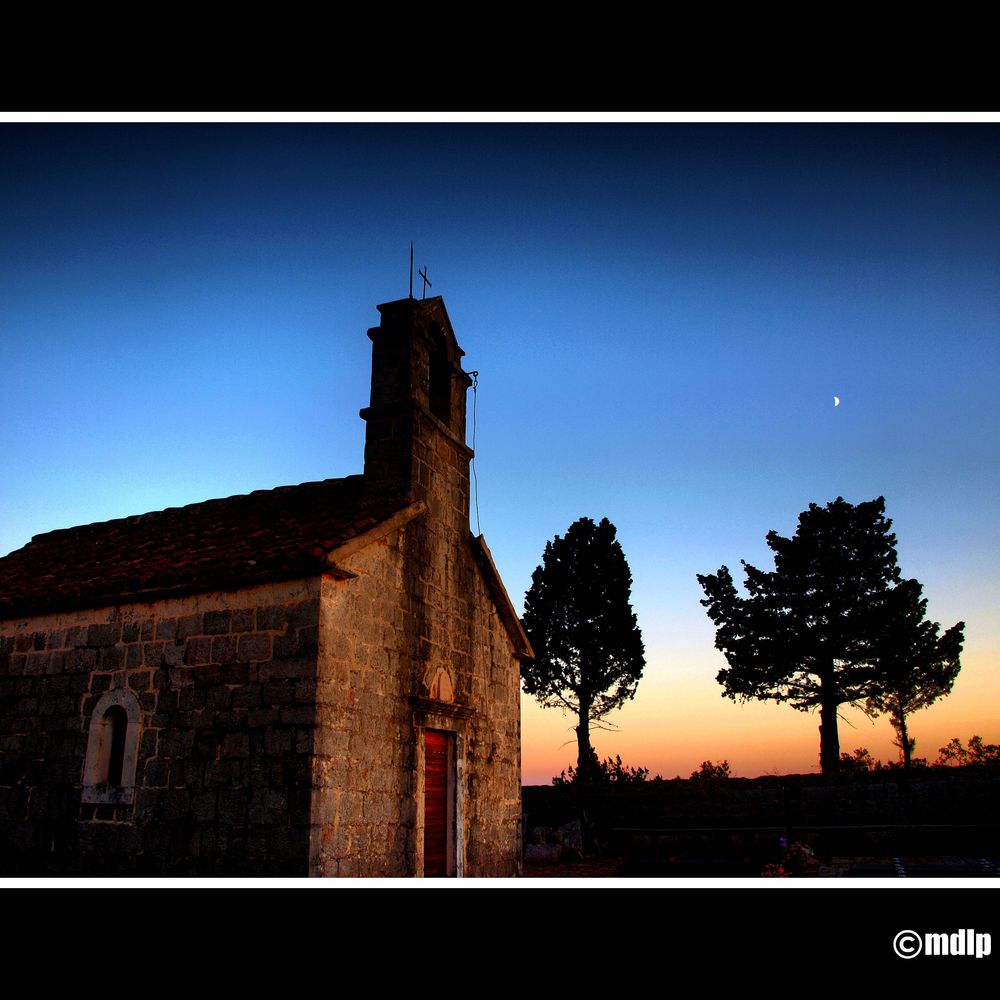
(607, 772)
(978, 753)
(708, 771)
(860, 760)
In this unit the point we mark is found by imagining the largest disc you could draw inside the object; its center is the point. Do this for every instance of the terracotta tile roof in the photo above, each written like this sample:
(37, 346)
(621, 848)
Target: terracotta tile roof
(264, 535)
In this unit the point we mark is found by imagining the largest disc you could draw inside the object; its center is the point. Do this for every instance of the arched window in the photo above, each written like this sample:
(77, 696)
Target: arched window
(112, 749)
(115, 723)
(440, 377)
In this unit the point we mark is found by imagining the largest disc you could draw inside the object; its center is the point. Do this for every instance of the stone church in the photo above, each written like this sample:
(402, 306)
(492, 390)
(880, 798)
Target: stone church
(319, 679)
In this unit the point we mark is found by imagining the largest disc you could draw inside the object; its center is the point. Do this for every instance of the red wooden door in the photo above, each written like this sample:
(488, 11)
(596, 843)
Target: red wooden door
(437, 815)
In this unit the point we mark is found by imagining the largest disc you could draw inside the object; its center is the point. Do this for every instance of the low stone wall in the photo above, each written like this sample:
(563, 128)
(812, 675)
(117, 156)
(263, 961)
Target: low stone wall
(936, 810)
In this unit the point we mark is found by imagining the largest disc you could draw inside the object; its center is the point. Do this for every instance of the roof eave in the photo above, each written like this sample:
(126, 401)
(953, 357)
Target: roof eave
(28, 608)
(505, 609)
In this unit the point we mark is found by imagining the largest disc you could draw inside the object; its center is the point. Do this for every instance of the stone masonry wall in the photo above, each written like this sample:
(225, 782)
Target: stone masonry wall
(461, 630)
(367, 770)
(226, 684)
(418, 604)
(364, 807)
(493, 811)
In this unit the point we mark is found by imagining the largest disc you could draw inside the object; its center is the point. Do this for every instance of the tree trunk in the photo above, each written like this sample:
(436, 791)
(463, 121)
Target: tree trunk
(829, 740)
(584, 753)
(904, 739)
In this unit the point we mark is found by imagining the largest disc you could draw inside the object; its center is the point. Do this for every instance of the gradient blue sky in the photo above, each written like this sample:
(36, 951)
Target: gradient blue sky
(660, 315)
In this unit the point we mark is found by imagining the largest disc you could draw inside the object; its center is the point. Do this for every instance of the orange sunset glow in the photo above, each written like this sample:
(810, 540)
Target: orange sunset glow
(678, 719)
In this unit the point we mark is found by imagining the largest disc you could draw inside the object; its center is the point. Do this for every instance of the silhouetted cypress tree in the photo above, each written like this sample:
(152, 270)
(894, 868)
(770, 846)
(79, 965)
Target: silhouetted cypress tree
(578, 614)
(916, 666)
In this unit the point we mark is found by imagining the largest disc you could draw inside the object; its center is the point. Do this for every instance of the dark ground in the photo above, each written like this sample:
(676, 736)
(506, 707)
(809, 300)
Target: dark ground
(948, 866)
(940, 823)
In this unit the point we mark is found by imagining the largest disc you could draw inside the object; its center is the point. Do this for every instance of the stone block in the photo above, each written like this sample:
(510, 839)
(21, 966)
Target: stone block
(191, 698)
(217, 622)
(278, 741)
(81, 659)
(232, 807)
(207, 742)
(111, 658)
(298, 715)
(188, 626)
(219, 699)
(379, 809)
(297, 669)
(152, 653)
(276, 693)
(224, 649)
(246, 697)
(234, 674)
(104, 635)
(284, 645)
(156, 774)
(147, 803)
(304, 692)
(166, 743)
(99, 683)
(140, 680)
(272, 618)
(166, 629)
(166, 700)
(198, 651)
(243, 620)
(204, 805)
(308, 641)
(299, 799)
(37, 663)
(66, 705)
(329, 742)
(254, 647)
(173, 654)
(208, 675)
(305, 613)
(348, 868)
(267, 806)
(337, 645)
(76, 636)
(174, 805)
(260, 717)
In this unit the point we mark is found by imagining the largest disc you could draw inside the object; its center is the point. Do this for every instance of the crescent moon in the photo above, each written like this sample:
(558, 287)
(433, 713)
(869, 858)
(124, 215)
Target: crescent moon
(836, 400)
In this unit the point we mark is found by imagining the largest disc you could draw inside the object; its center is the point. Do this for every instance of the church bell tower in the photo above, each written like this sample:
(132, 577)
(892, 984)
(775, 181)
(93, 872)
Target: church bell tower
(415, 439)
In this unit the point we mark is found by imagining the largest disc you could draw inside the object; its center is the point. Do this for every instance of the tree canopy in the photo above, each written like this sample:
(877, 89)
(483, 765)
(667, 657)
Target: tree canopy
(578, 614)
(832, 624)
(916, 665)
